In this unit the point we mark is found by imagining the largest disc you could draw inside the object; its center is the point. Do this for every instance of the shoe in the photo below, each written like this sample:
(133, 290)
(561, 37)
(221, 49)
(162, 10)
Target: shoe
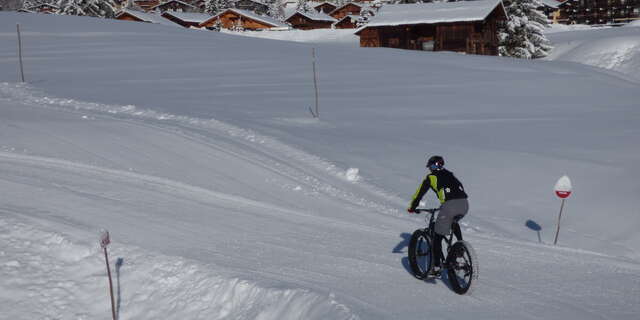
(435, 271)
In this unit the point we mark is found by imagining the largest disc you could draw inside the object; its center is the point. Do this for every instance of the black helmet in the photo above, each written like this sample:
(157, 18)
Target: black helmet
(435, 163)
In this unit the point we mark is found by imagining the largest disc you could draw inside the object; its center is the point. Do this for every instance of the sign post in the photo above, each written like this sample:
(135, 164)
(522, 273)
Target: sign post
(104, 242)
(563, 191)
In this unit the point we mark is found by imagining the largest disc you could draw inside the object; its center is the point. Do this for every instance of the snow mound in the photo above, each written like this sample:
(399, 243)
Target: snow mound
(616, 49)
(46, 275)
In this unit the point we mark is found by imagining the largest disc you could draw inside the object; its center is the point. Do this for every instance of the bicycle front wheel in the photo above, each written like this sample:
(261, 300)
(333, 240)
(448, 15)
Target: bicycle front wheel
(420, 254)
(462, 267)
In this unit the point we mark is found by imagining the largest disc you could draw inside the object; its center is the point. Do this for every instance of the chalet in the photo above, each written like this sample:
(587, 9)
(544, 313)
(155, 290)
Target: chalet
(251, 5)
(242, 19)
(42, 8)
(349, 9)
(599, 11)
(146, 5)
(186, 19)
(465, 26)
(139, 16)
(551, 9)
(325, 7)
(310, 20)
(174, 5)
(348, 22)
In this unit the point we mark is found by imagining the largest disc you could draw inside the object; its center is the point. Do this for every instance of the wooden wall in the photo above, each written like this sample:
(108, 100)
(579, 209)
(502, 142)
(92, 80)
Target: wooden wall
(299, 21)
(469, 37)
(230, 19)
(349, 9)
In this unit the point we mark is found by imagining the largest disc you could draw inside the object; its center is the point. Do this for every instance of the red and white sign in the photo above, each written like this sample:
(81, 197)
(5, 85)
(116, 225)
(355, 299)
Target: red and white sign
(563, 187)
(104, 239)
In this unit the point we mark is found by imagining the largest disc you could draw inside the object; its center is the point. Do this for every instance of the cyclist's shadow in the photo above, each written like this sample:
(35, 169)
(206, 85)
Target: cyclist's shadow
(399, 248)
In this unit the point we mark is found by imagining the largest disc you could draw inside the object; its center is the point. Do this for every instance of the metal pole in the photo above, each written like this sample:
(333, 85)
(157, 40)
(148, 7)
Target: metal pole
(315, 80)
(113, 305)
(558, 228)
(20, 53)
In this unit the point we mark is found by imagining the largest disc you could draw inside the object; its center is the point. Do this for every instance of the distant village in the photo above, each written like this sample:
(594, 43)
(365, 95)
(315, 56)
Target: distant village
(464, 26)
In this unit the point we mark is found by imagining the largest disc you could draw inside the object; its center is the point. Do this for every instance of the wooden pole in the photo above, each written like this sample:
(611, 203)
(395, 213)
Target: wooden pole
(558, 228)
(20, 53)
(113, 305)
(315, 81)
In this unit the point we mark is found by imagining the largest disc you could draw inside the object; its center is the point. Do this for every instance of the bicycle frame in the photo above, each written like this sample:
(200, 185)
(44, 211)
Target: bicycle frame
(431, 230)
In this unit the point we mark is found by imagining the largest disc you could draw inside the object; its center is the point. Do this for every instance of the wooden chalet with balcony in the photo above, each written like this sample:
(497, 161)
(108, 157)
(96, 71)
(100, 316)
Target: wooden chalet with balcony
(146, 5)
(349, 9)
(466, 26)
(599, 11)
(238, 19)
(251, 5)
(310, 20)
(325, 7)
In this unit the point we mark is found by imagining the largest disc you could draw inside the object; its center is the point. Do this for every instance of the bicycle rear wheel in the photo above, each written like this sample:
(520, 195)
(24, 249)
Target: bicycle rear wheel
(462, 267)
(420, 254)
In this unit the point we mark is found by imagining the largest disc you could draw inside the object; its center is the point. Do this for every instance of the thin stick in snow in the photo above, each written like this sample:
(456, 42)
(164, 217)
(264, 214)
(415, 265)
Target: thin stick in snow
(20, 53)
(315, 114)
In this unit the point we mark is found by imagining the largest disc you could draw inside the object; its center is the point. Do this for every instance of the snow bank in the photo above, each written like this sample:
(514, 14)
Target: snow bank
(341, 36)
(47, 275)
(616, 49)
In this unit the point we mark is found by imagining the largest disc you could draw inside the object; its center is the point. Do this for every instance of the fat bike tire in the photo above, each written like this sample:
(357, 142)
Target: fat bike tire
(462, 267)
(420, 254)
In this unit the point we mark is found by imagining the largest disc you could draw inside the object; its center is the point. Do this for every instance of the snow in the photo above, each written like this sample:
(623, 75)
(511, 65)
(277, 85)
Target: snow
(225, 199)
(616, 49)
(563, 184)
(438, 12)
(147, 17)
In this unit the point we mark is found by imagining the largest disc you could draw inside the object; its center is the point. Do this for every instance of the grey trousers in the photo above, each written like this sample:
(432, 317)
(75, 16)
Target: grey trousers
(450, 209)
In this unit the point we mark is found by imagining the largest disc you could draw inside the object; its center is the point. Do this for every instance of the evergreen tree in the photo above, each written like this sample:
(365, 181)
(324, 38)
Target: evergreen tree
(305, 6)
(93, 8)
(523, 35)
(215, 6)
(276, 9)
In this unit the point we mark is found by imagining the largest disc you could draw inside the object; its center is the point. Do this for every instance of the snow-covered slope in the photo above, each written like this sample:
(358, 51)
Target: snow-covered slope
(226, 200)
(616, 49)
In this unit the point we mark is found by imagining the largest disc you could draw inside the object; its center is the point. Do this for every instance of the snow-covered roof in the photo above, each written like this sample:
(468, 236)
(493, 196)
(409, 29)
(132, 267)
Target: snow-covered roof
(352, 17)
(43, 5)
(317, 4)
(145, 16)
(314, 15)
(252, 15)
(429, 13)
(552, 3)
(189, 16)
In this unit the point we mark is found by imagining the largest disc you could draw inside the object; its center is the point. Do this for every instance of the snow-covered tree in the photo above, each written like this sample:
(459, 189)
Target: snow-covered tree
(305, 6)
(276, 9)
(94, 8)
(523, 35)
(215, 6)
(10, 5)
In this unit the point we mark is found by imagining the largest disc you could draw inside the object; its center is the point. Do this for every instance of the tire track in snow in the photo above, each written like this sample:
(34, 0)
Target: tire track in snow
(274, 156)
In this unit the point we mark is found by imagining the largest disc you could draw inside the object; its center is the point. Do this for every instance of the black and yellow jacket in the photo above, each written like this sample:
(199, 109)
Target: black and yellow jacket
(443, 183)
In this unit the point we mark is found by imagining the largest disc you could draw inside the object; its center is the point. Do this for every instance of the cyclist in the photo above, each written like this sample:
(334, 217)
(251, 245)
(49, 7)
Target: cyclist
(453, 201)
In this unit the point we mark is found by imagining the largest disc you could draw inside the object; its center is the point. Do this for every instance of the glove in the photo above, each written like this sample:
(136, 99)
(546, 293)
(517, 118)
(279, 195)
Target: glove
(411, 210)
